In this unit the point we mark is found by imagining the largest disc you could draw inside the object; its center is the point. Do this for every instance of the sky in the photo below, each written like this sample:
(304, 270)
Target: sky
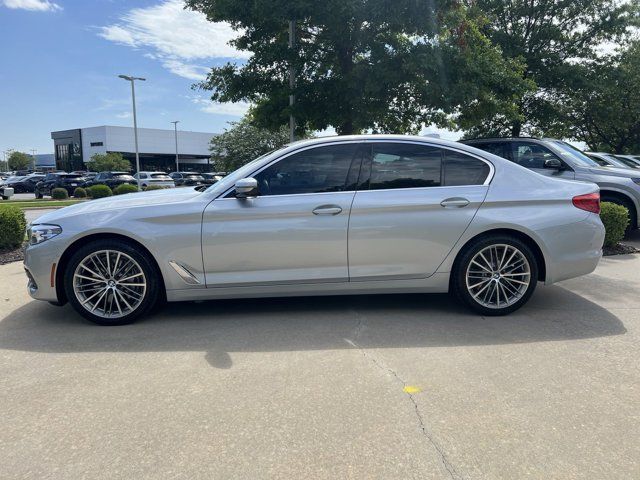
(60, 62)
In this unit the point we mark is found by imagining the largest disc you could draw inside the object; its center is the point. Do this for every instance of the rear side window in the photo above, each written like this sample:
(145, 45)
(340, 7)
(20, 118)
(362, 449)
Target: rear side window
(497, 148)
(461, 169)
(404, 165)
(316, 170)
(530, 155)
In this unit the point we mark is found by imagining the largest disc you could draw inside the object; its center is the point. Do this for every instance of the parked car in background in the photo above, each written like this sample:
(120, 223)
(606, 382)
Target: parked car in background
(188, 179)
(340, 215)
(609, 160)
(629, 158)
(112, 179)
(25, 184)
(159, 179)
(558, 159)
(68, 181)
(212, 177)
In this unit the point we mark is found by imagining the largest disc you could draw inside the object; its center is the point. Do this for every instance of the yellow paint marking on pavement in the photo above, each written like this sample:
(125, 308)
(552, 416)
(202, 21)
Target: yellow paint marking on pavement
(410, 389)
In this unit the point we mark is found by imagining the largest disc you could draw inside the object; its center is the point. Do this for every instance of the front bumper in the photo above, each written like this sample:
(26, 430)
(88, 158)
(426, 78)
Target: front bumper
(40, 264)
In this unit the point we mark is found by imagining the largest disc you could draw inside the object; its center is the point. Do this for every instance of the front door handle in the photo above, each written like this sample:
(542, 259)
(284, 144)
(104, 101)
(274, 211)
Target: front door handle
(327, 210)
(455, 202)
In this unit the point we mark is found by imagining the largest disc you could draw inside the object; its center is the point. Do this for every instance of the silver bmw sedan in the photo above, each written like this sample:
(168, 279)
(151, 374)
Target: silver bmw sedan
(341, 215)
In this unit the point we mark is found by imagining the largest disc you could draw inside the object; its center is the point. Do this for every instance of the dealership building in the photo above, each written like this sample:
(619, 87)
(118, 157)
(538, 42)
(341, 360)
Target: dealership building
(157, 148)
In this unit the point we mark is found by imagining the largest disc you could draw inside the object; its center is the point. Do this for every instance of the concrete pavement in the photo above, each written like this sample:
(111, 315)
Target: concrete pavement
(386, 387)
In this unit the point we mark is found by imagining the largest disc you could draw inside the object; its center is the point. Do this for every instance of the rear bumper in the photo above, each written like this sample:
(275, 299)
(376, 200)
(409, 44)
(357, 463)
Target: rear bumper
(573, 250)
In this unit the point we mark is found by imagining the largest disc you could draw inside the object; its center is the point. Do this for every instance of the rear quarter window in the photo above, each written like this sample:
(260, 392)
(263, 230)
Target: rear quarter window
(462, 169)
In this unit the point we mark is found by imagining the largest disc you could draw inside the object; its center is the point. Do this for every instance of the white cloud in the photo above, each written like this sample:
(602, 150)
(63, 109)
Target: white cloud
(234, 109)
(175, 36)
(124, 115)
(32, 5)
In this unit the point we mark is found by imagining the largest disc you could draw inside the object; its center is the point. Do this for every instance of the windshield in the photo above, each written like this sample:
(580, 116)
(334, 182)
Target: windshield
(576, 155)
(70, 176)
(122, 175)
(162, 176)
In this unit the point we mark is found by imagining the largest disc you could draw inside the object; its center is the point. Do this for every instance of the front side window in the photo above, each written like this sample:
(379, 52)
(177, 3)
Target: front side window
(530, 155)
(404, 165)
(461, 169)
(316, 170)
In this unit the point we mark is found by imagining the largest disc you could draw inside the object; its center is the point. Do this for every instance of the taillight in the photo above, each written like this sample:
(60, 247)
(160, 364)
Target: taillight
(589, 202)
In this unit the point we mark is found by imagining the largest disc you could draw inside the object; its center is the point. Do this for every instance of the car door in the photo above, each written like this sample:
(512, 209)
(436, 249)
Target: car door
(294, 231)
(532, 155)
(415, 204)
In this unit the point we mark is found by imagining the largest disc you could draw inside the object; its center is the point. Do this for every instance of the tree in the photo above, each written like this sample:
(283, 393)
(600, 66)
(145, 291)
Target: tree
(553, 38)
(19, 160)
(380, 65)
(108, 162)
(604, 111)
(244, 142)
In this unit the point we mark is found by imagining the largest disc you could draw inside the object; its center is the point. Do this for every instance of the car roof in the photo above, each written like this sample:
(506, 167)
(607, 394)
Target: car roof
(507, 139)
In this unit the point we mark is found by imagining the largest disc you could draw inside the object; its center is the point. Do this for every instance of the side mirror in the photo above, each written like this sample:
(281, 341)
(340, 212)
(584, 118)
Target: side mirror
(553, 163)
(246, 187)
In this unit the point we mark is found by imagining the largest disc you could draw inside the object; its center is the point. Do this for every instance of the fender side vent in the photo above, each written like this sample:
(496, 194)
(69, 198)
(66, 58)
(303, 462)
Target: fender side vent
(185, 274)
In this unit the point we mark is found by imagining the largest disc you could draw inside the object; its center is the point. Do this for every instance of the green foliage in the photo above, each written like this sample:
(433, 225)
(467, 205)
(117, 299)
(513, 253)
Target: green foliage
(360, 64)
(12, 227)
(80, 192)
(615, 219)
(244, 142)
(125, 188)
(19, 161)
(99, 191)
(59, 194)
(604, 110)
(552, 39)
(108, 162)
(155, 187)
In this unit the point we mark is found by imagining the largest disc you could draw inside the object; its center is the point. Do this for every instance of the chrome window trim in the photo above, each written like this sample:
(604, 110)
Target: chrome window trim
(487, 181)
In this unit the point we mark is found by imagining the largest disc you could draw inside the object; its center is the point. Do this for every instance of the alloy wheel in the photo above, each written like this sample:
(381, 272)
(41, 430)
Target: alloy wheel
(498, 276)
(109, 284)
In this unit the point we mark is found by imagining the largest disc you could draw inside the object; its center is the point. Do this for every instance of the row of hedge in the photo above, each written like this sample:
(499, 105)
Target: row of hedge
(99, 191)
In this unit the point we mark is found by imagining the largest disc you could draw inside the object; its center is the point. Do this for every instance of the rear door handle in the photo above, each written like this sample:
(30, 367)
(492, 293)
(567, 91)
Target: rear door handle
(327, 210)
(455, 202)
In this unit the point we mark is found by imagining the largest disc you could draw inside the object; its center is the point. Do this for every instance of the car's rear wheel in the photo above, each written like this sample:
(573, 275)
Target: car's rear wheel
(111, 283)
(495, 275)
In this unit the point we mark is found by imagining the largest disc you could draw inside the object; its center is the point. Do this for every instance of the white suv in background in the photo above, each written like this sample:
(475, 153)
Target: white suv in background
(159, 179)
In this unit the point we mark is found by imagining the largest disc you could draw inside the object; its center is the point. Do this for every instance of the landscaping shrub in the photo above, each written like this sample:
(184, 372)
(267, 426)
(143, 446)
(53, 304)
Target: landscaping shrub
(80, 192)
(154, 187)
(125, 188)
(12, 227)
(615, 219)
(59, 194)
(99, 191)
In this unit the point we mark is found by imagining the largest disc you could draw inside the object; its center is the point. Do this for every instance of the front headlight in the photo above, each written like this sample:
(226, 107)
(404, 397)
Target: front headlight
(40, 233)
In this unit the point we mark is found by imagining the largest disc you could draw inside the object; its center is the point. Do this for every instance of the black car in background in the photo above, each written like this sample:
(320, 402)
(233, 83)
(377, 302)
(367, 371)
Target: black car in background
(68, 181)
(112, 179)
(187, 179)
(25, 184)
(213, 177)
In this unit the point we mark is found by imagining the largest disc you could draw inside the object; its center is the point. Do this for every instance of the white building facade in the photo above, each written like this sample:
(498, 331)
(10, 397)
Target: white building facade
(157, 148)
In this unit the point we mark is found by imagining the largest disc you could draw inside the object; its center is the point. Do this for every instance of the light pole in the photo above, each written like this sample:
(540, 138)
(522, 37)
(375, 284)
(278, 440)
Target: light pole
(292, 82)
(135, 120)
(175, 129)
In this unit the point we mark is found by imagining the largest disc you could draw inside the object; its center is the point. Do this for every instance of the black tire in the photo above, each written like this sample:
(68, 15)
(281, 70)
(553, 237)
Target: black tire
(461, 265)
(151, 276)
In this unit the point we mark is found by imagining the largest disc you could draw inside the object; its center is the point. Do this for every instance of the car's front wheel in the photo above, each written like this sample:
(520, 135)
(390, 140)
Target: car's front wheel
(110, 282)
(495, 275)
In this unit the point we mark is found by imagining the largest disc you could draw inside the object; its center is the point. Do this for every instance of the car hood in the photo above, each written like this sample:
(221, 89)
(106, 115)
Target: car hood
(616, 172)
(125, 201)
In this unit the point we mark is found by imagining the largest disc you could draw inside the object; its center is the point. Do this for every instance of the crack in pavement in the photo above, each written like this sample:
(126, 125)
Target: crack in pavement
(425, 431)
